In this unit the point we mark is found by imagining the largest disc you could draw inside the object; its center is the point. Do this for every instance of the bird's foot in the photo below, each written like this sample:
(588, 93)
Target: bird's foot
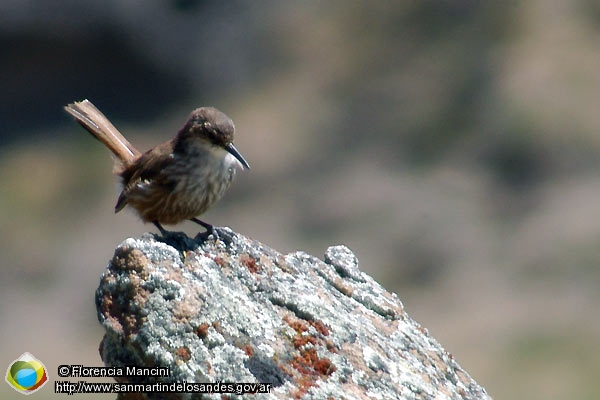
(223, 234)
(179, 240)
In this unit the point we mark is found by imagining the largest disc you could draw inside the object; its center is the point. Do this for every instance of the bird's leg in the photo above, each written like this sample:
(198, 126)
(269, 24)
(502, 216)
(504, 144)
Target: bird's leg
(162, 230)
(209, 228)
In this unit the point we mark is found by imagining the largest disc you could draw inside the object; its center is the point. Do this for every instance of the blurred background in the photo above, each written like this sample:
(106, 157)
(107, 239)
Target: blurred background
(453, 146)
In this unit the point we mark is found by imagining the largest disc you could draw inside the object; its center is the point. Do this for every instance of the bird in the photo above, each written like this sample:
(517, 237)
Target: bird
(174, 181)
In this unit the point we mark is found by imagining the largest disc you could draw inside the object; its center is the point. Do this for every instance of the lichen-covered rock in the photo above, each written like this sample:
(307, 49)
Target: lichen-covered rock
(238, 311)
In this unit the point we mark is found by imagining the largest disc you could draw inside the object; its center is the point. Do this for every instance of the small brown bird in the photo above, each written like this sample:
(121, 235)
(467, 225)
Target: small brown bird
(178, 179)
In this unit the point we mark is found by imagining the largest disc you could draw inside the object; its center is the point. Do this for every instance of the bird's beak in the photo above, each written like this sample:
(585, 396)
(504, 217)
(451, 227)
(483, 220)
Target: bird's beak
(234, 152)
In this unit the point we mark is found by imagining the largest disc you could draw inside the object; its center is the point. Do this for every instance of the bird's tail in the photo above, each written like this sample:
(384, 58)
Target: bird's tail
(88, 116)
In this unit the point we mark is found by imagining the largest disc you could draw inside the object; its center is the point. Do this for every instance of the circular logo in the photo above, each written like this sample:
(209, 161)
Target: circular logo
(26, 374)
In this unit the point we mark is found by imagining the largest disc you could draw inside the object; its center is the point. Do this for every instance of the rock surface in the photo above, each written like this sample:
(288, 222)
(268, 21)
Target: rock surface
(237, 311)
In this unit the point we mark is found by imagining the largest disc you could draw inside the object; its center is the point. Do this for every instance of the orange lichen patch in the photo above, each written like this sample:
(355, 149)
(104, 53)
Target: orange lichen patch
(323, 366)
(311, 367)
(248, 350)
(183, 353)
(249, 263)
(303, 340)
(304, 361)
(309, 363)
(202, 330)
(220, 261)
(296, 324)
(320, 327)
(330, 346)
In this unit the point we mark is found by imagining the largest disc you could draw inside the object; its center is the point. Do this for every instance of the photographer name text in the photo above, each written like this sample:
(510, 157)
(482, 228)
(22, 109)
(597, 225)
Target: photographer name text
(80, 371)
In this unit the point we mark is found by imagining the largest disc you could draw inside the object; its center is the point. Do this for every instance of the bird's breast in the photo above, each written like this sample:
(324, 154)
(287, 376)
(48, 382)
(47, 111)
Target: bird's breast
(210, 176)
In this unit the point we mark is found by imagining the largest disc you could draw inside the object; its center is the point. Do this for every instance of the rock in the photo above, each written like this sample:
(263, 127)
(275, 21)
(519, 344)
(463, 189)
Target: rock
(240, 312)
